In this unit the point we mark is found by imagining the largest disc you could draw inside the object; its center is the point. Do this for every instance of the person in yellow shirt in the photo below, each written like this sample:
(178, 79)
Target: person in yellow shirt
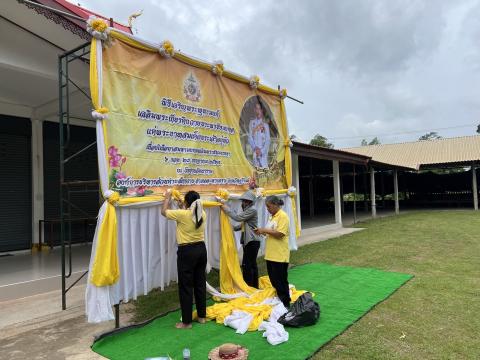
(277, 251)
(191, 256)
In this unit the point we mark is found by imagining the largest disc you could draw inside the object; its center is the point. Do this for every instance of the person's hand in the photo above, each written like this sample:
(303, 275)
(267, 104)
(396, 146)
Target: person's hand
(168, 194)
(258, 231)
(224, 207)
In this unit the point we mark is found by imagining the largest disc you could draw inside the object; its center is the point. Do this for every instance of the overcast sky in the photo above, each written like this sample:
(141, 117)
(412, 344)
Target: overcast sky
(364, 68)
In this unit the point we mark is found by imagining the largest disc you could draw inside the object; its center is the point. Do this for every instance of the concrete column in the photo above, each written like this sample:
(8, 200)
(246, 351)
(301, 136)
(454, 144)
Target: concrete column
(474, 187)
(395, 191)
(382, 187)
(37, 177)
(296, 183)
(341, 195)
(372, 193)
(311, 197)
(354, 196)
(336, 192)
(364, 178)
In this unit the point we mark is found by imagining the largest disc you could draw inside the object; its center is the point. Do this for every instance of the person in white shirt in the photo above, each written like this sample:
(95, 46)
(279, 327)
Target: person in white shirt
(259, 137)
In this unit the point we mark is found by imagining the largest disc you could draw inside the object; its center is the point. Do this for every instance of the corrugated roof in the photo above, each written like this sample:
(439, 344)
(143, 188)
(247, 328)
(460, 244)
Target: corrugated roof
(328, 154)
(427, 152)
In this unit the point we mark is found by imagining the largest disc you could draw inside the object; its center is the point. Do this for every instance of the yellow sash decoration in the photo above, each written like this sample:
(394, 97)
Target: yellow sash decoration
(106, 270)
(132, 42)
(231, 278)
(288, 165)
(93, 73)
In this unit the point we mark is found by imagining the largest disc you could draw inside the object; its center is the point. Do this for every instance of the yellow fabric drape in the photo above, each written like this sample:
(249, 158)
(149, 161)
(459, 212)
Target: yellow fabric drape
(105, 270)
(94, 74)
(288, 166)
(231, 278)
(126, 39)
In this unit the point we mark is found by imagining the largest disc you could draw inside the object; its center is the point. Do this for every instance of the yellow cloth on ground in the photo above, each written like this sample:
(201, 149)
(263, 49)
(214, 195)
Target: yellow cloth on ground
(186, 231)
(252, 305)
(278, 249)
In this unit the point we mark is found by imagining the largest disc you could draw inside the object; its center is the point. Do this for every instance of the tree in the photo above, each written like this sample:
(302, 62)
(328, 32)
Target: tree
(432, 135)
(478, 129)
(374, 141)
(322, 141)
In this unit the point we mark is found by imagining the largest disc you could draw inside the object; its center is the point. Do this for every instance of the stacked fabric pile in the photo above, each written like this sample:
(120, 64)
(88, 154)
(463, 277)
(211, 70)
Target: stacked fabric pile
(257, 311)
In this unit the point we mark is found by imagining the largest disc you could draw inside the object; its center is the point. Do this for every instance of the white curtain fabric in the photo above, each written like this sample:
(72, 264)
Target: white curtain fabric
(147, 253)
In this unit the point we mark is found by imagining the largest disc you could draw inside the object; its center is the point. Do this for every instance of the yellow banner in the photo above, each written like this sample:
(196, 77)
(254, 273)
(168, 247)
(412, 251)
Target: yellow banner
(174, 125)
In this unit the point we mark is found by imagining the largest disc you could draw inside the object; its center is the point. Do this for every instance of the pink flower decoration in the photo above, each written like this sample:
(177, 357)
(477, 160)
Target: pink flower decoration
(112, 151)
(113, 163)
(141, 190)
(115, 160)
(132, 191)
(120, 175)
(124, 159)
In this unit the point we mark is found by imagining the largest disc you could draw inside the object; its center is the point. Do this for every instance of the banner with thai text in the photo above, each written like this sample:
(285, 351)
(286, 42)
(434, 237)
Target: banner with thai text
(173, 125)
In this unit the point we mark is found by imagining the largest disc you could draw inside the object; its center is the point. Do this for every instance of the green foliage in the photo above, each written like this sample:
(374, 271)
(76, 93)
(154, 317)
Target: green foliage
(433, 135)
(322, 141)
(374, 141)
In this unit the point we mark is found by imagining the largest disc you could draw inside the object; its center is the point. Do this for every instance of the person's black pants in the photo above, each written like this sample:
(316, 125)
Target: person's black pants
(278, 274)
(249, 263)
(191, 264)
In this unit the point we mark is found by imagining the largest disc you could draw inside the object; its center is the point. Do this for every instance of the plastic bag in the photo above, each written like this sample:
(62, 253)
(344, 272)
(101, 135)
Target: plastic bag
(303, 312)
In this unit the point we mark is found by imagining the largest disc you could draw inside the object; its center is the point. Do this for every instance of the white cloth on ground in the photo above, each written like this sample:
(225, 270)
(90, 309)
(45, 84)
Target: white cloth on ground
(274, 332)
(239, 320)
(271, 301)
(277, 311)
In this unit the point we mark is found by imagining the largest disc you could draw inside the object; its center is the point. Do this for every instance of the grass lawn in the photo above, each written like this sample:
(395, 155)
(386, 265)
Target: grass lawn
(436, 315)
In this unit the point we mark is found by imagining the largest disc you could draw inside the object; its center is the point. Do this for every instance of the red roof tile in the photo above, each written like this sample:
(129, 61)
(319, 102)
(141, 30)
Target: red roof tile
(81, 12)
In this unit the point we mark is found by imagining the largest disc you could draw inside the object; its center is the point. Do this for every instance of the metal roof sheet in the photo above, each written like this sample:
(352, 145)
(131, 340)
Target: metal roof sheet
(465, 149)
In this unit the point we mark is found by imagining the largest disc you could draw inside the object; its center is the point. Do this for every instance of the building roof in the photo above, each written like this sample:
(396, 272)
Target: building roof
(463, 150)
(85, 13)
(72, 24)
(343, 156)
(322, 153)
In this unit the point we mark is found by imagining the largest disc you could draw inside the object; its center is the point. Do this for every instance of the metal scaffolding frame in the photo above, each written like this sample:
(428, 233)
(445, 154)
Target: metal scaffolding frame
(65, 206)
